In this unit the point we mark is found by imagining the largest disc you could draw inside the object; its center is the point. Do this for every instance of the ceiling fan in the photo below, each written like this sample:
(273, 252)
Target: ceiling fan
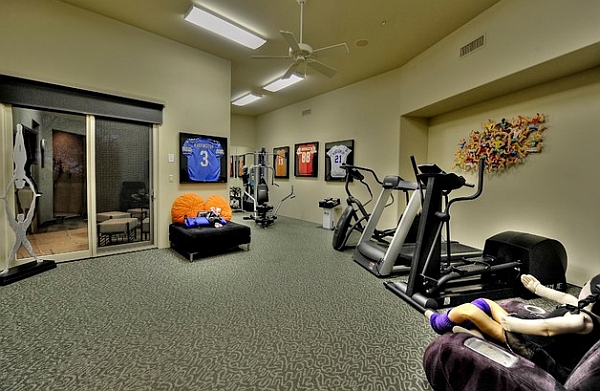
(303, 54)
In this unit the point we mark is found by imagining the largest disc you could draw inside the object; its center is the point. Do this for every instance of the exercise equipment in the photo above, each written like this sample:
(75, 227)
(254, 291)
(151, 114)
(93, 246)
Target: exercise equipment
(384, 259)
(256, 190)
(494, 275)
(355, 216)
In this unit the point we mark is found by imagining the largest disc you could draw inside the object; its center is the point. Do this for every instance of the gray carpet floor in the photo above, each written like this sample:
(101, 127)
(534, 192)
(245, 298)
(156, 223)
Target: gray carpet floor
(290, 314)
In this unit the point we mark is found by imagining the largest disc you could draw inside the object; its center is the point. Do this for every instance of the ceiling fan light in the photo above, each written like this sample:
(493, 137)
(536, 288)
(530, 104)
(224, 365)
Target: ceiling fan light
(246, 99)
(224, 28)
(281, 83)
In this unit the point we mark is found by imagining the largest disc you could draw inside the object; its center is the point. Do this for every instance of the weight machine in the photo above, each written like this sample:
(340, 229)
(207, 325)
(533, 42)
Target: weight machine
(256, 190)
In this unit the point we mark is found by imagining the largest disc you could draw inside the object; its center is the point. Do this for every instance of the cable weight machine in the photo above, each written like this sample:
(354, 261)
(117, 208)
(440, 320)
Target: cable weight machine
(256, 190)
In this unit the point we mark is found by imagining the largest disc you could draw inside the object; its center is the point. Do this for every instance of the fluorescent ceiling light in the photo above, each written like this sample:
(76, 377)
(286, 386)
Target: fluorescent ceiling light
(283, 83)
(222, 27)
(246, 99)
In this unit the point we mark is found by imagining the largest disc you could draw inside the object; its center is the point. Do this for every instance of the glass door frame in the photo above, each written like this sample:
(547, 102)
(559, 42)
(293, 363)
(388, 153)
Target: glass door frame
(7, 236)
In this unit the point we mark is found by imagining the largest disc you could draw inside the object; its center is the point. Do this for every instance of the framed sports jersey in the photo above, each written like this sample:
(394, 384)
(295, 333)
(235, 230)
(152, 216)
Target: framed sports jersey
(203, 159)
(307, 159)
(281, 156)
(336, 154)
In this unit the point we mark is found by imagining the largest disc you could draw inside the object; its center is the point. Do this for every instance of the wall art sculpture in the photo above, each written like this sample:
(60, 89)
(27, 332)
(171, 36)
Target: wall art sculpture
(502, 144)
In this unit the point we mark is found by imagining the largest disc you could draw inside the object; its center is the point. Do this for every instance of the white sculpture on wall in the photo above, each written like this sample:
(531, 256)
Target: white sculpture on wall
(21, 222)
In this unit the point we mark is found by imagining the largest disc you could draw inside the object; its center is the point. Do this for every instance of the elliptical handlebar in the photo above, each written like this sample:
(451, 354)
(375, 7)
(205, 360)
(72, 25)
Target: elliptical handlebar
(349, 168)
(353, 171)
(479, 186)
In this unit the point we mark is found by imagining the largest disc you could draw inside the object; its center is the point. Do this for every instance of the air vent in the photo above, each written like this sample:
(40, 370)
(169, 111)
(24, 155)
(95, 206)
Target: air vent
(472, 46)
(306, 112)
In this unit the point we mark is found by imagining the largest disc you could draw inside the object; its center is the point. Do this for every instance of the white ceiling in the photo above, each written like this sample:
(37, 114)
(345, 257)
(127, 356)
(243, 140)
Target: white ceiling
(396, 32)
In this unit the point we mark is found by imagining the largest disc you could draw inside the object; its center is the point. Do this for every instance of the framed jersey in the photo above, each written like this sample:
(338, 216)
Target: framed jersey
(203, 159)
(307, 159)
(336, 154)
(281, 157)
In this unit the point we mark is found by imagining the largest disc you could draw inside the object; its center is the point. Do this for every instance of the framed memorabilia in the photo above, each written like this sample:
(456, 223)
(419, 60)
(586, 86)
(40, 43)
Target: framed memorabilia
(236, 166)
(203, 159)
(307, 159)
(336, 154)
(241, 162)
(281, 157)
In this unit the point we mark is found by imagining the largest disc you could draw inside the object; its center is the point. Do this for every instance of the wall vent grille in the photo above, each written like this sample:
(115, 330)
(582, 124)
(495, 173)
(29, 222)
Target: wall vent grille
(306, 112)
(472, 46)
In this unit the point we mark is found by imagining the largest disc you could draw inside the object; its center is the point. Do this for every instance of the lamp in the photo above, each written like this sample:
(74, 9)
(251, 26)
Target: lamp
(246, 99)
(281, 83)
(224, 28)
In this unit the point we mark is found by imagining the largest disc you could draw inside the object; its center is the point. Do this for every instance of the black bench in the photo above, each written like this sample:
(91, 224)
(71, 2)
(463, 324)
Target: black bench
(208, 240)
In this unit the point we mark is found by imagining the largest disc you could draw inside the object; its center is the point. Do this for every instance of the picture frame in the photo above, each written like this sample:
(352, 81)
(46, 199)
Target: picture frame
(240, 163)
(236, 166)
(306, 159)
(202, 158)
(281, 162)
(336, 154)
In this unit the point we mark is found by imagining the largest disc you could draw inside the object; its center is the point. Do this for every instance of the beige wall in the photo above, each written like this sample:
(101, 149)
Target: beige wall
(54, 42)
(519, 35)
(365, 112)
(555, 193)
(414, 110)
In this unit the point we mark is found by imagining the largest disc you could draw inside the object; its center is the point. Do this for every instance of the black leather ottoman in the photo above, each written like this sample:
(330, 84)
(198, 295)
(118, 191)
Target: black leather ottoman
(208, 240)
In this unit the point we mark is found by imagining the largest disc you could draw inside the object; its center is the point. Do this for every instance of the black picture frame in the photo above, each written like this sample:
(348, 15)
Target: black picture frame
(306, 159)
(342, 152)
(281, 162)
(202, 158)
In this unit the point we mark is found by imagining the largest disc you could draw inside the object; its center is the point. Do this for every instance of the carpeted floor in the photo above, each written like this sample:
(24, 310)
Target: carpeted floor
(290, 314)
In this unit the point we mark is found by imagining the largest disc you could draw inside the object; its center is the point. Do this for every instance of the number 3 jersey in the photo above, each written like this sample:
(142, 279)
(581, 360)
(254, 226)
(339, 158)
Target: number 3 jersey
(203, 159)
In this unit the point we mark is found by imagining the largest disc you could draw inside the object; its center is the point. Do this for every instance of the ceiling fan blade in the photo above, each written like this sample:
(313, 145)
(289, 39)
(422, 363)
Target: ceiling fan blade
(291, 40)
(322, 68)
(268, 57)
(291, 70)
(340, 48)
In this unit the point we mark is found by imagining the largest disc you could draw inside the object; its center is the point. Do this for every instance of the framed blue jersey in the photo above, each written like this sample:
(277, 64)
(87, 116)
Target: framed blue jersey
(202, 158)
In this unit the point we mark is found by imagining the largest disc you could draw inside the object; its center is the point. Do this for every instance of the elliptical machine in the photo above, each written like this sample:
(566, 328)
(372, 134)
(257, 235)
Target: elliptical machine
(355, 217)
(494, 275)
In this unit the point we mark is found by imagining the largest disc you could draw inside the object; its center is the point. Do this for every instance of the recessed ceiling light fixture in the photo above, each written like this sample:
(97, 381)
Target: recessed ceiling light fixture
(246, 99)
(280, 84)
(220, 26)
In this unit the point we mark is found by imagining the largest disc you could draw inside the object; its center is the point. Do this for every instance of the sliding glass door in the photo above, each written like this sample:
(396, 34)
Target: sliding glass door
(87, 157)
(58, 149)
(55, 146)
(123, 185)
